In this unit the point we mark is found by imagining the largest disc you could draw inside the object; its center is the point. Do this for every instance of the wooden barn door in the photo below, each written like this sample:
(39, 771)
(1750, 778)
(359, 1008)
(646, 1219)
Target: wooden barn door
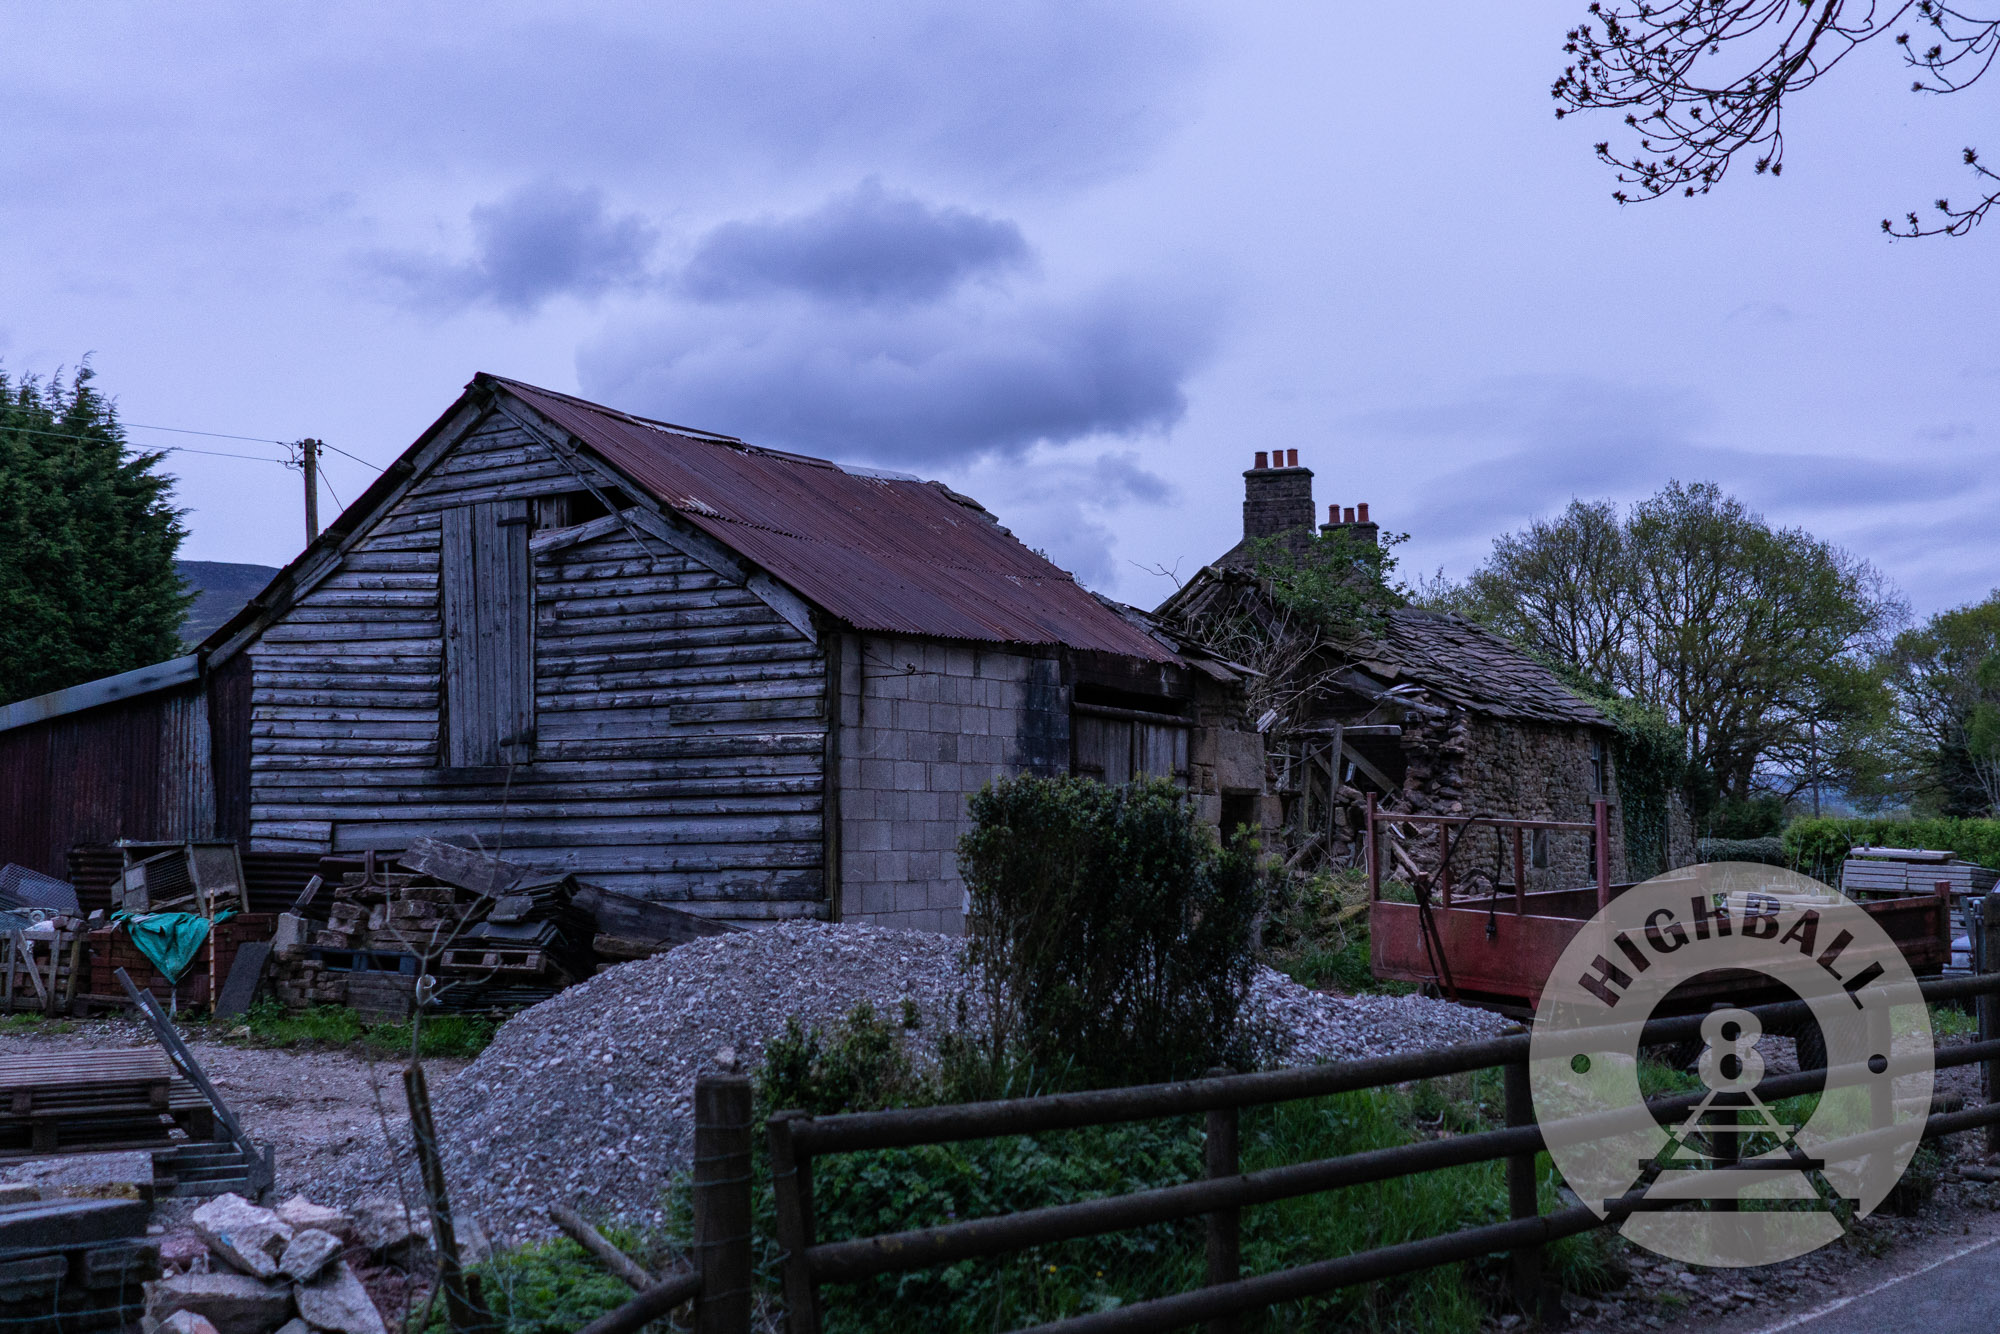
(488, 594)
(1118, 745)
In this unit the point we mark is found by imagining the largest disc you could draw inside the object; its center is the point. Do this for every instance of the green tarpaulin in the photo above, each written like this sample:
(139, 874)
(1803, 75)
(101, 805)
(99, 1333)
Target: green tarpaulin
(170, 940)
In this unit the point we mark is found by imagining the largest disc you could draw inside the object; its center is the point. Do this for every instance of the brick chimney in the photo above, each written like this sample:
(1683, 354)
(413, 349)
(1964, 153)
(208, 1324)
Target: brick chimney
(1277, 495)
(1353, 521)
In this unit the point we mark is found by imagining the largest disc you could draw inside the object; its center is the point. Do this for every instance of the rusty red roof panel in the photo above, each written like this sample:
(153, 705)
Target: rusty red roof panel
(895, 555)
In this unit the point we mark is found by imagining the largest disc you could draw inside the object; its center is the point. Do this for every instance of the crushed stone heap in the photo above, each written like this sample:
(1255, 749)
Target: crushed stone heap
(585, 1099)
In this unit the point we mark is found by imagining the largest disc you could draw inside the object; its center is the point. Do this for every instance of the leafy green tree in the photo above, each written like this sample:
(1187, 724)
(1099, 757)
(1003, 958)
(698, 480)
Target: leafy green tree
(88, 534)
(1757, 642)
(1943, 754)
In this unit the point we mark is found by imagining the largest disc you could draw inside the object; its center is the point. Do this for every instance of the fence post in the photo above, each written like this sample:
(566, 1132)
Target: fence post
(1225, 1226)
(1522, 1200)
(722, 1147)
(791, 1190)
(1989, 1005)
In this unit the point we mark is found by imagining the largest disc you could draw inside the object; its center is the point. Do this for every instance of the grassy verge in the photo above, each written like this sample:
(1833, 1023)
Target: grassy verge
(555, 1287)
(35, 1025)
(336, 1027)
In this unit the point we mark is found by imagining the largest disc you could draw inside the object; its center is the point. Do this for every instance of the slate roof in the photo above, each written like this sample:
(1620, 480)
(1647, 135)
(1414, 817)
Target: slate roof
(1471, 666)
(879, 551)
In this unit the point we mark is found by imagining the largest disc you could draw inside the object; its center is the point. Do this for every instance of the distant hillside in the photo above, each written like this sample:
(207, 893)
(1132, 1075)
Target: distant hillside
(221, 589)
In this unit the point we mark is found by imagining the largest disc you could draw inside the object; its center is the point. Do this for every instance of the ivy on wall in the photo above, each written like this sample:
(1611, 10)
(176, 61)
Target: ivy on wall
(1647, 756)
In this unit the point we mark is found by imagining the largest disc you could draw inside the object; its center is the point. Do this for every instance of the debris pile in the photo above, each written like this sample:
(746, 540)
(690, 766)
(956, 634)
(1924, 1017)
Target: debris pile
(465, 930)
(585, 1100)
(385, 930)
(300, 1267)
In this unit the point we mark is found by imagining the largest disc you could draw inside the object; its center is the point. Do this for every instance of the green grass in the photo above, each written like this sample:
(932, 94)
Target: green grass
(36, 1024)
(861, 1194)
(270, 1024)
(1949, 1023)
(554, 1287)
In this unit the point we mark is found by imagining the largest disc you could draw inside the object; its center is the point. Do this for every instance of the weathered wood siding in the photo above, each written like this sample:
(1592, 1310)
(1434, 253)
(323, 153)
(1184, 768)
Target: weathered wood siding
(678, 728)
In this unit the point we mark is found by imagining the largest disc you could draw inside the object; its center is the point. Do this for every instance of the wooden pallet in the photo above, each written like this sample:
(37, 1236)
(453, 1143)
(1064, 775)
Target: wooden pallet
(41, 975)
(96, 1102)
(217, 1167)
(73, 1266)
(495, 960)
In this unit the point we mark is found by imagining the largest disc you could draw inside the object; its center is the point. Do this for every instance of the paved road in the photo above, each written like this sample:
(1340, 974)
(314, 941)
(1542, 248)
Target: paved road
(1958, 1293)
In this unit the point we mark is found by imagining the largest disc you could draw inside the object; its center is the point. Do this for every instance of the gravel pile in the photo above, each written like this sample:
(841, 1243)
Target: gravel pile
(585, 1099)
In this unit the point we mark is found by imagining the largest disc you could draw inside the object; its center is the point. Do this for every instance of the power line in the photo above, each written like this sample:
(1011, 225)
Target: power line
(182, 430)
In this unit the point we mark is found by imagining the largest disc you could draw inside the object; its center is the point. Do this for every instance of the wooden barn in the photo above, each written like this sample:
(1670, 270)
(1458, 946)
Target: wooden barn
(751, 683)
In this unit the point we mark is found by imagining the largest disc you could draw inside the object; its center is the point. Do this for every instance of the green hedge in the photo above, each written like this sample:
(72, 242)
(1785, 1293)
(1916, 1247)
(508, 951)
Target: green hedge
(1819, 846)
(1770, 851)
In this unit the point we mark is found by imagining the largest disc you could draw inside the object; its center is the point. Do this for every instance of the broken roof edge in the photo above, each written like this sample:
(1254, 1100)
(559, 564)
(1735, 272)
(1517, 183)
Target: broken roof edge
(135, 684)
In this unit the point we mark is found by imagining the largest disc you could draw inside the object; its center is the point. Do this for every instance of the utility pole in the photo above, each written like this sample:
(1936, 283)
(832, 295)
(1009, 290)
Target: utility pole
(309, 450)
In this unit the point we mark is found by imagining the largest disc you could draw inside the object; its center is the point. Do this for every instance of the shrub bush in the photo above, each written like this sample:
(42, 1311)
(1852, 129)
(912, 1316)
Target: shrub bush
(1769, 851)
(1112, 930)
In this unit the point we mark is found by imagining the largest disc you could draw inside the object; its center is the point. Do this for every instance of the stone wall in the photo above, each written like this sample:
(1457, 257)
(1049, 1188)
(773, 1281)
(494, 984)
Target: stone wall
(922, 726)
(1462, 763)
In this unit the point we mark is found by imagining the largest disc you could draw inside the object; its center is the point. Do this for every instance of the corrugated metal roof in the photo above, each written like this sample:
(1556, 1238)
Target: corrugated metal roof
(879, 551)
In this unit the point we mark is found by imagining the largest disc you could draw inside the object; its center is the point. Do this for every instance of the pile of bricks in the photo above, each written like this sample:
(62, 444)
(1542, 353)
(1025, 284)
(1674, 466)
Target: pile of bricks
(404, 914)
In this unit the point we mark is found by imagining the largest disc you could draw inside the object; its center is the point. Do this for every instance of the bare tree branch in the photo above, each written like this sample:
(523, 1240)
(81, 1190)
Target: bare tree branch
(1704, 82)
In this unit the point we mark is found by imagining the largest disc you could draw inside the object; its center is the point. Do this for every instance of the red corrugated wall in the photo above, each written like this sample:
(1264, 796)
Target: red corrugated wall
(89, 777)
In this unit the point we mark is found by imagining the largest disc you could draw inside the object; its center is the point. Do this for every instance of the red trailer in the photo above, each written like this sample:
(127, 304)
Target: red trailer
(1497, 949)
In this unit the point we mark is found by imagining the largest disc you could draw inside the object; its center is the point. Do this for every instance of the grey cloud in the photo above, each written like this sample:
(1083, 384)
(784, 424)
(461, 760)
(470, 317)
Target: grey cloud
(1118, 477)
(866, 245)
(953, 380)
(542, 241)
(1593, 438)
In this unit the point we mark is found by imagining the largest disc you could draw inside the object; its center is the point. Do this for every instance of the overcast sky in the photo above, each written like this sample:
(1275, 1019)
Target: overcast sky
(1080, 260)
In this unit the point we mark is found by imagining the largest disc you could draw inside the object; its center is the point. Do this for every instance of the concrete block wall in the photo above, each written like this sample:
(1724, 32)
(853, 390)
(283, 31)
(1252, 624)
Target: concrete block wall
(923, 724)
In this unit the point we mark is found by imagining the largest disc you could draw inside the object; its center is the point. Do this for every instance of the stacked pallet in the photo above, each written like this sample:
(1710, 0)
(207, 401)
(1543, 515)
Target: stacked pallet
(1912, 871)
(72, 1266)
(96, 1101)
(531, 942)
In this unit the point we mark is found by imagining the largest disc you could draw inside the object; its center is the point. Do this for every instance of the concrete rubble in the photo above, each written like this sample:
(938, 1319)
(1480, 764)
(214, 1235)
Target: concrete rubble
(246, 1269)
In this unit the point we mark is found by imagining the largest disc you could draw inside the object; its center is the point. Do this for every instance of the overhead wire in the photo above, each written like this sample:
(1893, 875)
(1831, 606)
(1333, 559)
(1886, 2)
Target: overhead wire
(293, 462)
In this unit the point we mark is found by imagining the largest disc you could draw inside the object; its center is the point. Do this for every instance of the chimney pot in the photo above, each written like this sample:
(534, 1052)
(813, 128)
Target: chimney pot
(1350, 514)
(1261, 456)
(1333, 514)
(1291, 458)
(1364, 511)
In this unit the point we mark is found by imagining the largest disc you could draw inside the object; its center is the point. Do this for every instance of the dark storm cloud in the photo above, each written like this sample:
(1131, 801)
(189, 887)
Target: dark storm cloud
(866, 245)
(856, 330)
(542, 241)
(933, 383)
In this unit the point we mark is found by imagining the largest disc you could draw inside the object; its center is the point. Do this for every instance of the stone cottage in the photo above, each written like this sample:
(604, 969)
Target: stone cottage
(1430, 712)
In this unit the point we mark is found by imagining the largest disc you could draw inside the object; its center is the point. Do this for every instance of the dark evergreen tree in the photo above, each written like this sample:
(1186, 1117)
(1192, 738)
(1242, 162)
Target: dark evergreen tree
(88, 534)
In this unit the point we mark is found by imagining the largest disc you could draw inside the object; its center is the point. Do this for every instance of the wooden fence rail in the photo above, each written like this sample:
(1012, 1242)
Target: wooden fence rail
(797, 1139)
